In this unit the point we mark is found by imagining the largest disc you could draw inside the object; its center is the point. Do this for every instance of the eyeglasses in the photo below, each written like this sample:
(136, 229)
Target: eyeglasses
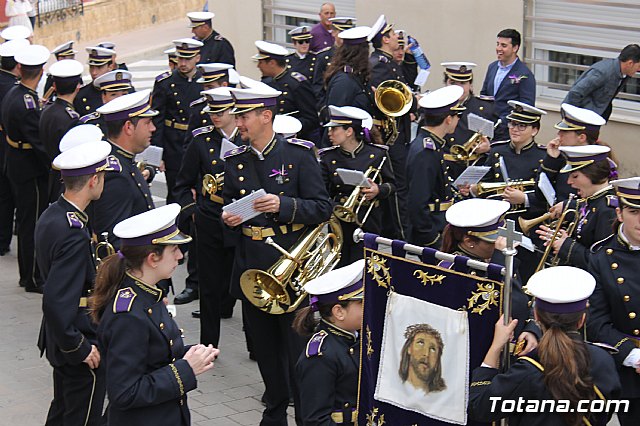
(517, 125)
(306, 41)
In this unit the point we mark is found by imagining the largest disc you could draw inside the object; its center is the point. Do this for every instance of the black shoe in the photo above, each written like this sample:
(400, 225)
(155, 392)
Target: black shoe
(226, 315)
(188, 295)
(33, 289)
(4, 251)
(196, 314)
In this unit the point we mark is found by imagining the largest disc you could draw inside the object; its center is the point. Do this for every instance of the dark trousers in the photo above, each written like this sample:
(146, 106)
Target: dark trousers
(350, 251)
(78, 396)
(276, 348)
(394, 209)
(31, 201)
(631, 417)
(189, 227)
(7, 209)
(170, 176)
(214, 277)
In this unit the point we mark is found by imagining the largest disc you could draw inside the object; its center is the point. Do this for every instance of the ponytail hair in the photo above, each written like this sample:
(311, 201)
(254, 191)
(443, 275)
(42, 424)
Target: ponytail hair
(306, 322)
(452, 237)
(112, 271)
(566, 361)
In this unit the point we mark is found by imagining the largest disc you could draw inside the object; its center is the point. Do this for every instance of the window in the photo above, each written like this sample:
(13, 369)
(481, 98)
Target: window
(564, 37)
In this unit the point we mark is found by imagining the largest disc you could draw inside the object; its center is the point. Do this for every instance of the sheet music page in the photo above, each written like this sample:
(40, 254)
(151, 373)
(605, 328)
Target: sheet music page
(471, 175)
(152, 156)
(244, 206)
(503, 170)
(353, 177)
(480, 124)
(547, 189)
(421, 79)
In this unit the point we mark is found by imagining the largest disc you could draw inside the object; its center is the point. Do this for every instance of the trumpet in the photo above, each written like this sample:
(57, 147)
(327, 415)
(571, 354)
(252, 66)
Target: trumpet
(527, 225)
(466, 152)
(555, 260)
(104, 246)
(394, 99)
(279, 289)
(496, 189)
(212, 184)
(350, 211)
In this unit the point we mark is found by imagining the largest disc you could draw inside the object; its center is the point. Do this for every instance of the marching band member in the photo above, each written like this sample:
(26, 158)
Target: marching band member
(301, 60)
(63, 251)
(111, 85)
(429, 193)
(349, 133)
(589, 170)
(201, 164)
(472, 231)
(564, 367)
(149, 370)
(296, 199)
(615, 303)
(328, 370)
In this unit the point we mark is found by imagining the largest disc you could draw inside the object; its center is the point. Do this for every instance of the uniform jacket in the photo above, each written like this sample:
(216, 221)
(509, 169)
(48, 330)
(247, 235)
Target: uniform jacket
(524, 379)
(142, 348)
(596, 215)
(304, 66)
(328, 375)
(365, 156)
(347, 89)
(7, 81)
(323, 60)
(615, 303)
(64, 255)
(551, 167)
(427, 184)
(125, 194)
(197, 118)
(290, 170)
(172, 95)
(56, 120)
(217, 49)
(88, 99)
(519, 84)
(597, 86)
(21, 123)
(94, 118)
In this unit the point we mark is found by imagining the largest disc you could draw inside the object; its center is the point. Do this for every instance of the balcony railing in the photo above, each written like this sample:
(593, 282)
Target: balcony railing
(58, 10)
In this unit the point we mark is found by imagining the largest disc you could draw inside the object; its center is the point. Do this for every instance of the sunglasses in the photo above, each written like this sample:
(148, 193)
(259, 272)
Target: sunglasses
(306, 41)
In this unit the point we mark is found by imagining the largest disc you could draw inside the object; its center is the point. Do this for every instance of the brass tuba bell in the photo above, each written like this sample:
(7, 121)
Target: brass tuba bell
(279, 289)
(104, 248)
(212, 184)
(349, 211)
(394, 99)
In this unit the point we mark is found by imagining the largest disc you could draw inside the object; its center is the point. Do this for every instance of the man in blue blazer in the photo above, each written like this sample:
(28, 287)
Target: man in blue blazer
(508, 79)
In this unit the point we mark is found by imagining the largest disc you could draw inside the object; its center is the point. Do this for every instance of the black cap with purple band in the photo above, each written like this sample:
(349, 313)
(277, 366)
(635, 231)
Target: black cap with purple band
(135, 104)
(156, 226)
(628, 191)
(86, 159)
(336, 286)
(561, 289)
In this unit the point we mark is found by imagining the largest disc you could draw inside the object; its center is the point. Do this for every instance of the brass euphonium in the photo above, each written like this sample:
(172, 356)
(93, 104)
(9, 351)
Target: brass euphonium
(394, 99)
(104, 246)
(496, 189)
(350, 210)
(555, 260)
(466, 152)
(212, 184)
(279, 289)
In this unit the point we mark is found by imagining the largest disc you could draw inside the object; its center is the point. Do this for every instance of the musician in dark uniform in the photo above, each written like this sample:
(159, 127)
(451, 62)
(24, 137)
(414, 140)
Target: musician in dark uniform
(100, 62)
(111, 85)
(296, 201)
(562, 357)
(27, 164)
(172, 58)
(353, 149)
(8, 79)
(328, 370)
(149, 369)
(201, 164)
(302, 60)
(590, 170)
(216, 48)
(68, 335)
(171, 98)
(429, 192)
(614, 305)
(461, 74)
(58, 117)
(129, 129)
(64, 51)
(112, 46)
(297, 96)
(323, 58)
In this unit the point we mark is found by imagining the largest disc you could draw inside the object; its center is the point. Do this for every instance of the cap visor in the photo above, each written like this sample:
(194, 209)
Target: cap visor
(178, 238)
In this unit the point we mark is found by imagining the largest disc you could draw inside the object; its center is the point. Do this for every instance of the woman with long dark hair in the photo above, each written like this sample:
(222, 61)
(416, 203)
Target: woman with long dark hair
(564, 371)
(149, 370)
(328, 370)
(590, 169)
(351, 135)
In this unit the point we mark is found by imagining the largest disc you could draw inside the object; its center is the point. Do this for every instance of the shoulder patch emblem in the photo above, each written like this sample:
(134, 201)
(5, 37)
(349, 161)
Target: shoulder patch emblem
(327, 149)
(74, 221)
(124, 300)
(236, 151)
(218, 37)
(29, 102)
(428, 143)
(202, 130)
(89, 117)
(298, 76)
(163, 76)
(72, 113)
(114, 164)
(612, 201)
(383, 59)
(301, 142)
(314, 346)
(200, 100)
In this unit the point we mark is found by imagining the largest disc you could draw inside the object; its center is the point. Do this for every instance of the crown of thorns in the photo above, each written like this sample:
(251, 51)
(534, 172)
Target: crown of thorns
(414, 329)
